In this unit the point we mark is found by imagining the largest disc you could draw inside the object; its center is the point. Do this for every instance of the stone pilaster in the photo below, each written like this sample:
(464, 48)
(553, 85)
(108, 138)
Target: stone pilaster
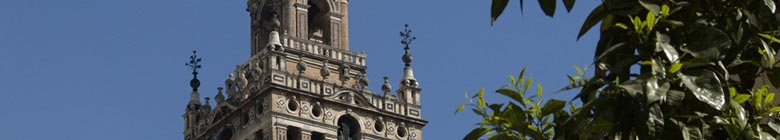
(281, 133)
(305, 135)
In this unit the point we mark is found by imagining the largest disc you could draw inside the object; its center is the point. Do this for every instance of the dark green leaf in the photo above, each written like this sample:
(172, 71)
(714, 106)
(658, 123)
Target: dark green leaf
(569, 4)
(705, 86)
(706, 44)
(548, 6)
(511, 94)
(595, 16)
(476, 133)
(553, 106)
(497, 8)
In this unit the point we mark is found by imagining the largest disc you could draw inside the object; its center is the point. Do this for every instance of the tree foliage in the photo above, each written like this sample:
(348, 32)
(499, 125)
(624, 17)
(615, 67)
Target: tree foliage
(663, 69)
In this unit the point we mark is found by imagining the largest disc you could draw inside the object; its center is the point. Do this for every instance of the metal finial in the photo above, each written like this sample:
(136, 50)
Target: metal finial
(407, 37)
(406, 34)
(194, 65)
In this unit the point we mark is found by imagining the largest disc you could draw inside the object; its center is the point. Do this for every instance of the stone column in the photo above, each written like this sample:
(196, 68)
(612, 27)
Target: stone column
(344, 24)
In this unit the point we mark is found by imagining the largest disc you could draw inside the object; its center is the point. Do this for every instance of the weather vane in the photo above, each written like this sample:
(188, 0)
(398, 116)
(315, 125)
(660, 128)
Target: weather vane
(194, 64)
(406, 34)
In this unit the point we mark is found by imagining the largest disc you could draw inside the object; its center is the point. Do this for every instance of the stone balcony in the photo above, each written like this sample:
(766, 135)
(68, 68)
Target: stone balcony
(324, 50)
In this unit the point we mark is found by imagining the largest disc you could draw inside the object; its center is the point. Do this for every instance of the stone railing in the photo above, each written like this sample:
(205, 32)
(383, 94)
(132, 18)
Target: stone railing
(324, 50)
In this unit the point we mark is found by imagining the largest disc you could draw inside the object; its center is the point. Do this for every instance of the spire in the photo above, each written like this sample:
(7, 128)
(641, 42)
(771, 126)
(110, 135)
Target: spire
(194, 65)
(407, 38)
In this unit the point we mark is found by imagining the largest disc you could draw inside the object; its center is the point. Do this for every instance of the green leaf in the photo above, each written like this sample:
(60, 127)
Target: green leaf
(706, 44)
(675, 67)
(705, 86)
(497, 8)
(770, 4)
(552, 106)
(650, 20)
(663, 44)
(511, 94)
(769, 99)
(651, 7)
(528, 84)
(548, 6)
(664, 10)
(461, 107)
(741, 98)
(513, 80)
(569, 4)
(770, 37)
(579, 70)
(775, 109)
(595, 16)
(476, 133)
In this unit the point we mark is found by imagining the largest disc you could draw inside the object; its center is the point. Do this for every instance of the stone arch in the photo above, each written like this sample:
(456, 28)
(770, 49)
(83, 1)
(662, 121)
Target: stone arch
(348, 128)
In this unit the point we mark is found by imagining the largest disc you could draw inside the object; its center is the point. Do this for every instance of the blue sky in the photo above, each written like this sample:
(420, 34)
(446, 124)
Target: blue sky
(114, 69)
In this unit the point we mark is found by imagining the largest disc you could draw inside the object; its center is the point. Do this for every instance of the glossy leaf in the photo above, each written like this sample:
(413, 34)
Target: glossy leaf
(651, 7)
(770, 4)
(706, 87)
(706, 44)
(663, 43)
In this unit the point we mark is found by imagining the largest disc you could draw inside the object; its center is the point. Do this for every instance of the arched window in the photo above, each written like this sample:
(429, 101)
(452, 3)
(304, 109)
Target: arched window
(318, 21)
(348, 128)
(226, 134)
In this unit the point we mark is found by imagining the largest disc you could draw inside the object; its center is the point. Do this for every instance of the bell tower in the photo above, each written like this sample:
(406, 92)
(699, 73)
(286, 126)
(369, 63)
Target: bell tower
(322, 22)
(303, 83)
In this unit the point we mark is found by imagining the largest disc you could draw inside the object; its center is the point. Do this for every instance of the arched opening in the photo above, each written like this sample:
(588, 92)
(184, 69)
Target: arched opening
(349, 129)
(226, 134)
(316, 110)
(318, 22)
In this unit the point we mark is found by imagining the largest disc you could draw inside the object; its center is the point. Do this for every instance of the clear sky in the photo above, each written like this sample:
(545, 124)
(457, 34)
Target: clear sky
(114, 69)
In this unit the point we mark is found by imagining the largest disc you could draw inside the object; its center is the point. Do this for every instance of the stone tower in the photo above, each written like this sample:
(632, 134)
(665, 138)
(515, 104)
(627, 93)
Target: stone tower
(303, 83)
